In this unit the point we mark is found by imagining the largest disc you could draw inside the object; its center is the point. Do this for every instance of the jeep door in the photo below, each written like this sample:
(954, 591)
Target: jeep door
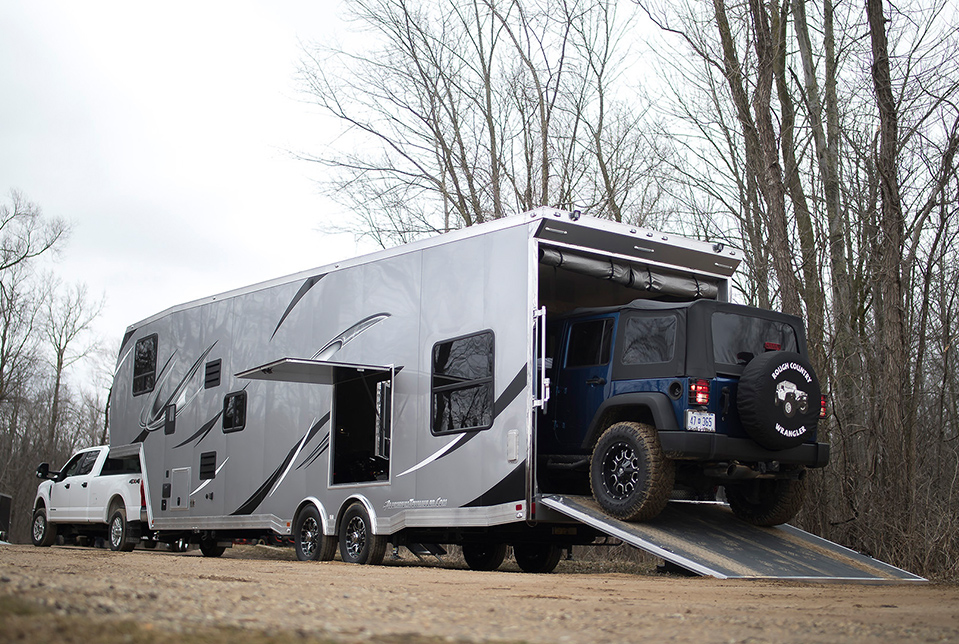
(583, 377)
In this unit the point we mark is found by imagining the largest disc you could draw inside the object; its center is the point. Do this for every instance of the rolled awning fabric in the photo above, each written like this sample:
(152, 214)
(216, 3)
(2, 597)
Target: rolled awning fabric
(636, 276)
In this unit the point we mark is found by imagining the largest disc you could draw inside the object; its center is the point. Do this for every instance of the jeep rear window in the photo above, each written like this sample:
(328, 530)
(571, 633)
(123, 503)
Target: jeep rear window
(737, 339)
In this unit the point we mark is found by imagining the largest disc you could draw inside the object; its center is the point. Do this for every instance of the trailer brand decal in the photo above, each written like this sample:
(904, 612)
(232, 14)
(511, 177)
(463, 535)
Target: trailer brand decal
(413, 504)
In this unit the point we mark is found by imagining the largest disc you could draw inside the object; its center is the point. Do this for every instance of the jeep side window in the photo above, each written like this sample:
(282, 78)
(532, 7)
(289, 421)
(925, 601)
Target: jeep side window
(649, 339)
(589, 343)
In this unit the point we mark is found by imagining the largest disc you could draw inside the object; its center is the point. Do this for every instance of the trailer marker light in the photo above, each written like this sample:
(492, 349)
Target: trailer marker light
(698, 392)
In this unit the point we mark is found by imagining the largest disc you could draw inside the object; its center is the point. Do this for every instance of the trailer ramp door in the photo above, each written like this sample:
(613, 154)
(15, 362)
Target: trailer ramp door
(705, 538)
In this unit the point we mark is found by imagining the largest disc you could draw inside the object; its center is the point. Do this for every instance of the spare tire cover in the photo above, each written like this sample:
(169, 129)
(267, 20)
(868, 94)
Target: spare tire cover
(778, 399)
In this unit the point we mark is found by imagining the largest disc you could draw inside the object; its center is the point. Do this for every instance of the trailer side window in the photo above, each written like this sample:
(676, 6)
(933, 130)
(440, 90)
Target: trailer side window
(462, 384)
(234, 412)
(144, 365)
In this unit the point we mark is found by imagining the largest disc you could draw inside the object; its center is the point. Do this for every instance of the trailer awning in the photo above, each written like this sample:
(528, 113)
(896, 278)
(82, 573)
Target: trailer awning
(314, 372)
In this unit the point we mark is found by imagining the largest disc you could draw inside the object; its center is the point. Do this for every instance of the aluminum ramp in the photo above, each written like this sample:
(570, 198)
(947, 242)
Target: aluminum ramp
(705, 538)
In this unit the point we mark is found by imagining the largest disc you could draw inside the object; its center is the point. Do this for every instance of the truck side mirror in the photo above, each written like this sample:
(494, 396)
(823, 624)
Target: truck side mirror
(43, 471)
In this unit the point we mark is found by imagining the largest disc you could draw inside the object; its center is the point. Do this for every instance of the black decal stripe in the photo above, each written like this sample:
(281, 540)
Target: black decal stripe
(511, 488)
(203, 431)
(316, 453)
(254, 501)
(304, 289)
(513, 389)
(126, 338)
(142, 437)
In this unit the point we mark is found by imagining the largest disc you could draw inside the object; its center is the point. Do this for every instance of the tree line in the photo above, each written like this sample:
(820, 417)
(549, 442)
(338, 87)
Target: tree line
(44, 334)
(820, 138)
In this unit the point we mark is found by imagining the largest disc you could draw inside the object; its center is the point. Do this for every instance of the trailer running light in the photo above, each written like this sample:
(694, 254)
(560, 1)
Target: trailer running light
(822, 406)
(699, 392)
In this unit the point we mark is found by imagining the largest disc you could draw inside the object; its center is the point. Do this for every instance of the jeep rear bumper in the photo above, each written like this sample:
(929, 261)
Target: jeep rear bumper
(719, 447)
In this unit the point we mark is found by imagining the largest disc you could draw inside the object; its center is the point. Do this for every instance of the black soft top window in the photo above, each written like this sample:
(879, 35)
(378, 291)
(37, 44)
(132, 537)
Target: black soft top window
(738, 338)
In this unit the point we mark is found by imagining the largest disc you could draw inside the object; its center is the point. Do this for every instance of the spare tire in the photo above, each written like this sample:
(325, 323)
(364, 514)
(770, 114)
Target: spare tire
(778, 399)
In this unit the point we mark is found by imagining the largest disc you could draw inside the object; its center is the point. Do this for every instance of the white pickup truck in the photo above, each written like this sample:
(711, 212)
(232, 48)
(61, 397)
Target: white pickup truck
(98, 493)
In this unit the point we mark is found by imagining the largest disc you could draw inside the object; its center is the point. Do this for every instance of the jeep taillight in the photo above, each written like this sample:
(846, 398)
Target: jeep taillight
(699, 392)
(822, 406)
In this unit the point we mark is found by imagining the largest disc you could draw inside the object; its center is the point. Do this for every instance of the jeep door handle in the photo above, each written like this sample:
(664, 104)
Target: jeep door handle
(598, 380)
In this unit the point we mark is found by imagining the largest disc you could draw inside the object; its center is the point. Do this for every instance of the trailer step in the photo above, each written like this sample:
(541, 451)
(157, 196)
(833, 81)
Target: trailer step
(705, 538)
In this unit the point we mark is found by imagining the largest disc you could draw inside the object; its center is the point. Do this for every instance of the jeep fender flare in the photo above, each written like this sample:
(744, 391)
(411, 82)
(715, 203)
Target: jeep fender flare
(652, 407)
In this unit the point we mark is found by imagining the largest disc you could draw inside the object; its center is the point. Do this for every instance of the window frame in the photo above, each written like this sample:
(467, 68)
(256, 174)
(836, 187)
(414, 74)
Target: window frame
(240, 395)
(486, 381)
(151, 372)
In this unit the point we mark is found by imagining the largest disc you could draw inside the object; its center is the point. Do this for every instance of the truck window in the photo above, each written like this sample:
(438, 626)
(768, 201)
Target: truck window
(649, 339)
(462, 384)
(737, 339)
(144, 365)
(86, 465)
(589, 343)
(125, 465)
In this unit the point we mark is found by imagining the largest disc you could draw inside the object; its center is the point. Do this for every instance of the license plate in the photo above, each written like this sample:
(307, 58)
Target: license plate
(700, 421)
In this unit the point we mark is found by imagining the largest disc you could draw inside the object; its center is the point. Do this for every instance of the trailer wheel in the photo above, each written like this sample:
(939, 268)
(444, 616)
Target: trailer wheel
(484, 556)
(120, 532)
(537, 557)
(630, 476)
(308, 538)
(210, 548)
(766, 502)
(358, 544)
(43, 534)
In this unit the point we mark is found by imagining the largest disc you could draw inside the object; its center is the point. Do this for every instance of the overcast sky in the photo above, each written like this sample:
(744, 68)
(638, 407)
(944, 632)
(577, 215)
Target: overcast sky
(161, 131)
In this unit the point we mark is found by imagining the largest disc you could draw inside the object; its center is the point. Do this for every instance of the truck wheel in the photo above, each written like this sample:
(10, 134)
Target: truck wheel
(484, 556)
(773, 425)
(120, 532)
(766, 502)
(210, 548)
(43, 534)
(630, 476)
(537, 557)
(308, 538)
(358, 544)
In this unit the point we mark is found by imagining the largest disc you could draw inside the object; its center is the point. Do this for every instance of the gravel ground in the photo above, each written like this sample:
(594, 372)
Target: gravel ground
(261, 589)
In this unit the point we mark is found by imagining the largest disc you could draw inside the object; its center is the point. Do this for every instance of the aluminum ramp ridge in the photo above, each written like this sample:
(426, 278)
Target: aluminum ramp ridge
(705, 538)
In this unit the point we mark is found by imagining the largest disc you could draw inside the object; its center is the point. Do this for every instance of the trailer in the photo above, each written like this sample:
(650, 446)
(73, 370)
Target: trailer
(404, 397)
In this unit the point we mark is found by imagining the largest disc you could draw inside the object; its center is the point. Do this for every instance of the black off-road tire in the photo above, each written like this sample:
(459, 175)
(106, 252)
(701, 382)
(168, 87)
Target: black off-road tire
(308, 539)
(774, 424)
(358, 544)
(766, 502)
(119, 532)
(630, 477)
(484, 556)
(210, 548)
(537, 557)
(42, 533)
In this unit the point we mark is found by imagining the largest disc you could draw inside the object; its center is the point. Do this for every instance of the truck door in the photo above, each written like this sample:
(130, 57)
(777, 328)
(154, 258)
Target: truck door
(70, 496)
(583, 377)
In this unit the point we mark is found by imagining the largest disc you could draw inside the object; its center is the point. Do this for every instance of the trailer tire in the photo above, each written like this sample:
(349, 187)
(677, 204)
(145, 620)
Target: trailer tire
(766, 502)
(630, 476)
(120, 532)
(308, 538)
(42, 532)
(358, 544)
(776, 423)
(484, 556)
(210, 547)
(537, 557)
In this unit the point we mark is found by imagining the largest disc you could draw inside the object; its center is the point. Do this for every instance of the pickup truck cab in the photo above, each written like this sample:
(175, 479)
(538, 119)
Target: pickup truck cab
(97, 493)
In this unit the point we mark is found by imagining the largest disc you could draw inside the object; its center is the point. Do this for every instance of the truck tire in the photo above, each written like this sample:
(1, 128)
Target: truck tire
(308, 538)
(210, 547)
(630, 476)
(120, 532)
(537, 557)
(42, 533)
(358, 544)
(766, 502)
(776, 423)
(484, 556)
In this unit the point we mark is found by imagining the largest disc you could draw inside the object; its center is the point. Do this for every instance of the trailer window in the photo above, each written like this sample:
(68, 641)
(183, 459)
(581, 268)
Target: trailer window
(462, 384)
(234, 412)
(144, 365)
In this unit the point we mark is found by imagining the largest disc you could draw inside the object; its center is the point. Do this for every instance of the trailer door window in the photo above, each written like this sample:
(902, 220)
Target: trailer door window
(462, 384)
(144, 365)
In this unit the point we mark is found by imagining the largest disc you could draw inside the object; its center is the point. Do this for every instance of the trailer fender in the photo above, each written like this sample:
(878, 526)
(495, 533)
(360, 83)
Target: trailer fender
(650, 407)
(329, 521)
(366, 504)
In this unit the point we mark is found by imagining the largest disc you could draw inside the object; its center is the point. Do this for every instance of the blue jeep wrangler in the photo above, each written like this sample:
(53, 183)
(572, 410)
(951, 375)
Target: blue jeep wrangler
(655, 400)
